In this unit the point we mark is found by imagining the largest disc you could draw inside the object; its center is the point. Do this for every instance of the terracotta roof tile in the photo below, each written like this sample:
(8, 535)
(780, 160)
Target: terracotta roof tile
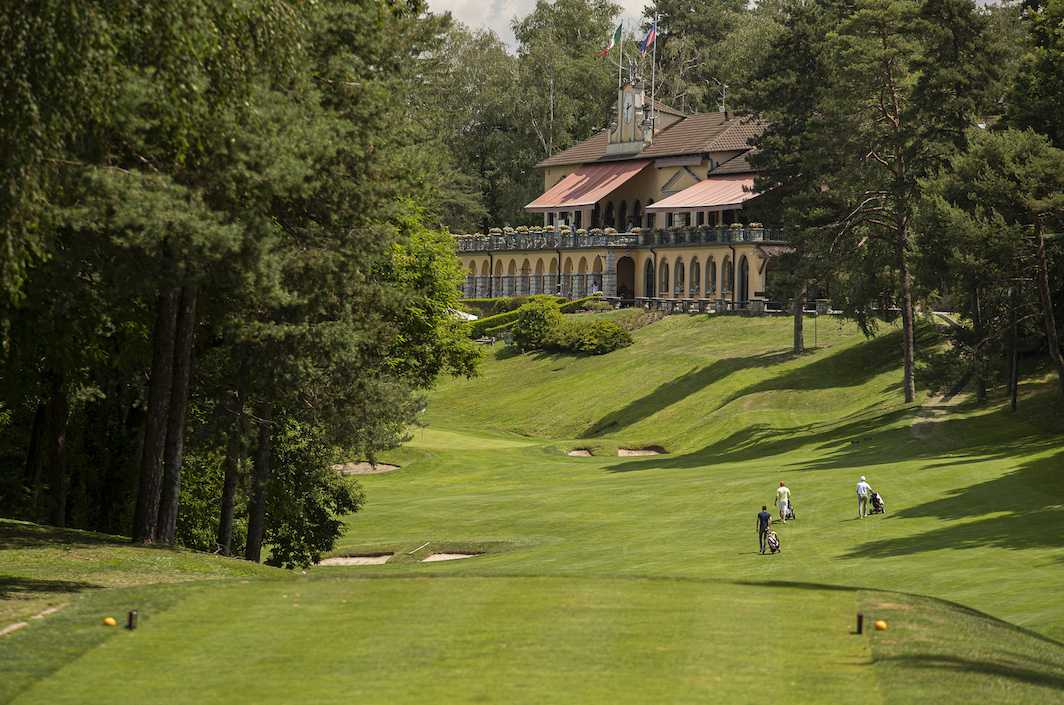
(590, 150)
(736, 165)
(737, 136)
(662, 108)
(694, 134)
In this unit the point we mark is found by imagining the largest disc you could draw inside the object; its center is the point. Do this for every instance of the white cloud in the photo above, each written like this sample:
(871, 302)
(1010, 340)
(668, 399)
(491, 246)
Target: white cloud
(497, 14)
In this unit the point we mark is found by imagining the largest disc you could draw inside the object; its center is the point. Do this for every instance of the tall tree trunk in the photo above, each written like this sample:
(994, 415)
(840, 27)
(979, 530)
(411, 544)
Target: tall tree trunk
(1048, 317)
(259, 481)
(978, 354)
(799, 318)
(35, 455)
(233, 452)
(162, 373)
(1014, 352)
(166, 528)
(908, 336)
(58, 416)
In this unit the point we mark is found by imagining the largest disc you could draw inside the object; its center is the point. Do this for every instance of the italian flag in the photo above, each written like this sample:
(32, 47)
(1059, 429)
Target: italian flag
(614, 40)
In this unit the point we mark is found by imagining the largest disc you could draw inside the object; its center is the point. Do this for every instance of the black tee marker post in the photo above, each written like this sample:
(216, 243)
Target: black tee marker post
(131, 620)
(860, 622)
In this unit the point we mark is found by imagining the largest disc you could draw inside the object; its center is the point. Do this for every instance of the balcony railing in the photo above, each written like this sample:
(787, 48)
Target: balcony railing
(675, 237)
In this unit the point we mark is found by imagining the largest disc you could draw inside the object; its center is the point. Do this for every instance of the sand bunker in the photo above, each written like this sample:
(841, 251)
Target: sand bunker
(580, 453)
(636, 452)
(364, 468)
(435, 557)
(356, 560)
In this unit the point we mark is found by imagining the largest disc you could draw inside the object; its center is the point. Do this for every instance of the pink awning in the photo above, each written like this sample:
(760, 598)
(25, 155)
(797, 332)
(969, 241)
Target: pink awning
(714, 193)
(587, 185)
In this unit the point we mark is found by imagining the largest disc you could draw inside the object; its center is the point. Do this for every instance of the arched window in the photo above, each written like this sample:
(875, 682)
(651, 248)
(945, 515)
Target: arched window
(648, 279)
(711, 276)
(744, 279)
(679, 278)
(663, 277)
(727, 276)
(696, 277)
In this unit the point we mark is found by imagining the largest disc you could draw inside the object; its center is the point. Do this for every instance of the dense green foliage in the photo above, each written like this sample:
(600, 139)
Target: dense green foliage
(540, 325)
(981, 207)
(307, 498)
(535, 324)
(874, 99)
(500, 323)
(1035, 99)
(210, 240)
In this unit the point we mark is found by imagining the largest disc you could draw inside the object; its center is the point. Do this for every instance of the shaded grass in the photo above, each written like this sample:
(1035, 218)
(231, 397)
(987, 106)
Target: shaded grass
(42, 567)
(929, 643)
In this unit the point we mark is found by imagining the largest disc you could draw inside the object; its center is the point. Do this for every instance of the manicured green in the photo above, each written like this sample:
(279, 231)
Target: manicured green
(609, 579)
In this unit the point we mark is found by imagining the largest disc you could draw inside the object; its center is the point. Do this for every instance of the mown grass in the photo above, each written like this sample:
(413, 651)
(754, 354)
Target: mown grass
(44, 567)
(609, 579)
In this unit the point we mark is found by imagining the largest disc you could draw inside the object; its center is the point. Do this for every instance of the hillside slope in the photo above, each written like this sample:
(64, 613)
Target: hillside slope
(609, 579)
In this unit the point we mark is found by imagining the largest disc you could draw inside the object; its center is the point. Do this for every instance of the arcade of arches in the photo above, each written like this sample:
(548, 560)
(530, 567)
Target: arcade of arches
(736, 274)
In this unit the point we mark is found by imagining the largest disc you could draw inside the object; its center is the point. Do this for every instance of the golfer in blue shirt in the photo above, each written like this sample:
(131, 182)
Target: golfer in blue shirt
(764, 520)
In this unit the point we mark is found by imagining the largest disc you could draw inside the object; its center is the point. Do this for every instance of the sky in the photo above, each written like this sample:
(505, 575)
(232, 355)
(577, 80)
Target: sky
(496, 14)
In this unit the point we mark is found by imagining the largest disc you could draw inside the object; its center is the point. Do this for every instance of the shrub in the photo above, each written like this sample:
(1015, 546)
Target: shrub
(495, 324)
(598, 306)
(600, 337)
(535, 323)
(587, 337)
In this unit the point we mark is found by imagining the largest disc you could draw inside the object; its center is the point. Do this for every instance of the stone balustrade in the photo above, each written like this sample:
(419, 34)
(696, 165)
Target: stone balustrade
(561, 240)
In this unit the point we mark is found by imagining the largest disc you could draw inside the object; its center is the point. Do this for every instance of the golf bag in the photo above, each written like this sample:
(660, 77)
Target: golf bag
(789, 513)
(878, 506)
(773, 541)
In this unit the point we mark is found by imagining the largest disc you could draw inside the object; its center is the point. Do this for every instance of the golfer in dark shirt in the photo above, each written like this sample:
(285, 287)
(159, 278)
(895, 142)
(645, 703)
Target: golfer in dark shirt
(763, 521)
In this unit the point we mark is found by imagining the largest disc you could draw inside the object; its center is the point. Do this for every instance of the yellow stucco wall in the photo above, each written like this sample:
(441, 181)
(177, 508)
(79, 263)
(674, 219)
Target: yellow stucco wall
(719, 255)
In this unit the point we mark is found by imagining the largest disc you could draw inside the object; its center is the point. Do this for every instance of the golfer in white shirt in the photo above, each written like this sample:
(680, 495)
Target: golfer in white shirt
(783, 500)
(864, 491)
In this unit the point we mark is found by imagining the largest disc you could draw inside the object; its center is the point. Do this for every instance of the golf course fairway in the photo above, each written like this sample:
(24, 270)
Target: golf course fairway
(608, 579)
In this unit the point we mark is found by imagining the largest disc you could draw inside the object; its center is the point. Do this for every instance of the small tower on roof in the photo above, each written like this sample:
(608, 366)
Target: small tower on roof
(630, 131)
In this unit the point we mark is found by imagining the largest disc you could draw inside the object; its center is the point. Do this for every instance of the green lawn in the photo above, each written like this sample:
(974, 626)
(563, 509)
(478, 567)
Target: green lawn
(609, 579)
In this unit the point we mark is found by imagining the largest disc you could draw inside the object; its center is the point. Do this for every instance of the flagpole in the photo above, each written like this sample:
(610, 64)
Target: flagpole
(620, 55)
(653, 79)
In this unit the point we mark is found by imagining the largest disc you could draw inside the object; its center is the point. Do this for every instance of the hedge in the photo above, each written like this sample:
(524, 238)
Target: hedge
(579, 304)
(498, 324)
(486, 307)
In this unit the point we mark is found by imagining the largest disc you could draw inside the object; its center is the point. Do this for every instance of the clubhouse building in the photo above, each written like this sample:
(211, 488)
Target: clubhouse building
(648, 211)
